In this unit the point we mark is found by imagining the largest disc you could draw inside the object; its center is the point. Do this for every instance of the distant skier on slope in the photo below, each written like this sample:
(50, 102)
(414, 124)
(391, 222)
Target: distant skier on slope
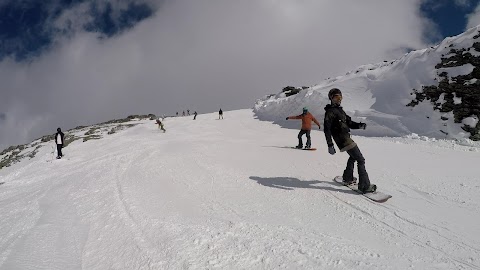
(160, 125)
(195, 115)
(220, 114)
(59, 140)
(337, 124)
(307, 119)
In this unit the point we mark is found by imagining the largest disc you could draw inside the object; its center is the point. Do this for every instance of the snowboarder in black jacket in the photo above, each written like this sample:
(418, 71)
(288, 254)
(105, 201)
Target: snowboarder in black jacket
(337, 124)
(59, 140)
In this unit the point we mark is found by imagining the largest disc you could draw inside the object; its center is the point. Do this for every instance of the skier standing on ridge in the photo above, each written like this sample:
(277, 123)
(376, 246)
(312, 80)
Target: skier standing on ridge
(307, 119)
(220, 114)
(195, 115)
(59, 140)
(337, 124)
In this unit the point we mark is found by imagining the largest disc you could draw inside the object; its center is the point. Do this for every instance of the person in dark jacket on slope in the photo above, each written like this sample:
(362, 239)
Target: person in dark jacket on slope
(337, 124)
(59, 140)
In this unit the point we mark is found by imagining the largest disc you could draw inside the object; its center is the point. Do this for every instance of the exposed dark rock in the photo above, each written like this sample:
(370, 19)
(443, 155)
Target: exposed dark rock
(460, 87)
(291, 90)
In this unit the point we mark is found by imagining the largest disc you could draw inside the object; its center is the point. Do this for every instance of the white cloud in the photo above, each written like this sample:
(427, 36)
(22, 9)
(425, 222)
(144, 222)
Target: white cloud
(73, 19)
(78, 16)
(473, 19)
(202, 55)
(462, 3)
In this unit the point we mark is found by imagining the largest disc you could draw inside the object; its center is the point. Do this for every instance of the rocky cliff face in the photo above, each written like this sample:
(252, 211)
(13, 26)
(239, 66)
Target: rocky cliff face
(458, 94)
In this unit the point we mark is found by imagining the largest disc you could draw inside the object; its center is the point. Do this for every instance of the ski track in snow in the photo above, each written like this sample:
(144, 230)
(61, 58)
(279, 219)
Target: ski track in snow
(226, 194)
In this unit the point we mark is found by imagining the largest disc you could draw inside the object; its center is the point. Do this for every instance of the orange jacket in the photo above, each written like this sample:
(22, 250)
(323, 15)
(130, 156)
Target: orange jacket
(306, 120)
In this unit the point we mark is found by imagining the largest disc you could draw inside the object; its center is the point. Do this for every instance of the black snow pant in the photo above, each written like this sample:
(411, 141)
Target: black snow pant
(59, 150)
(300, 134)
(356, 155)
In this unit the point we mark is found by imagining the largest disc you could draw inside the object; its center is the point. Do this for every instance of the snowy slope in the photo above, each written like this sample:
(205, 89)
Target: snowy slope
(230, 194)
(378, 94)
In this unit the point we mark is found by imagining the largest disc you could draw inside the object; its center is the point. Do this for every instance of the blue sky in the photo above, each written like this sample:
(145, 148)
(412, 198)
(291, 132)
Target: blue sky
(27, 29)
(450, 17)
(65, 63)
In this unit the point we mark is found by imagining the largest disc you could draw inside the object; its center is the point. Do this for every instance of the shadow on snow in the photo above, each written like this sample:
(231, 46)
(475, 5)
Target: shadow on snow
(290, 183)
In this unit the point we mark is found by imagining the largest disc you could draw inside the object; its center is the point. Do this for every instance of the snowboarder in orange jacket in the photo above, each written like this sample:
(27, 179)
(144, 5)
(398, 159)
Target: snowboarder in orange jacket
(307, 119)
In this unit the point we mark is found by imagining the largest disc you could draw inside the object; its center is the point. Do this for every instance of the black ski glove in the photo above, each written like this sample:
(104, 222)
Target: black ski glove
(331, 150)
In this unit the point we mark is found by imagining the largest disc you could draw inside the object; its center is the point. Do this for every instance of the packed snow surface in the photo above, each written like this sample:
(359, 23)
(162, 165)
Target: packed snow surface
(232, 194)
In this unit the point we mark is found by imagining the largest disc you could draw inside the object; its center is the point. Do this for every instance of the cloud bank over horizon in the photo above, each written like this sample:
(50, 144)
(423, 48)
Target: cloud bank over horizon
(196, 55)
(473, 19)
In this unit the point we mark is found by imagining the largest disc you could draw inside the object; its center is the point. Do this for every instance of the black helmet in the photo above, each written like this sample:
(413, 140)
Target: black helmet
(59, 130)
(333, 92)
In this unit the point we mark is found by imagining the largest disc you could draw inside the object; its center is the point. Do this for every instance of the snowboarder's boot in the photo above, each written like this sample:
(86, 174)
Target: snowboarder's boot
(299, 146)
(369, 189)
(351, 182)
(308, 147)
